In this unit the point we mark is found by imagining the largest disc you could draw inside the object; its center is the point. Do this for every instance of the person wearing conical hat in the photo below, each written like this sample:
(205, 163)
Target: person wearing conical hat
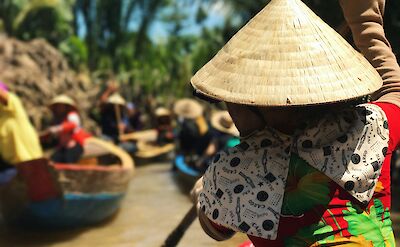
(193, 134)
(313, 165)
(135, 117)
(67, 128)
(114, 121)
(19, 141)
(222, 121)
(225, 132)
(188, 109)
(165, 130)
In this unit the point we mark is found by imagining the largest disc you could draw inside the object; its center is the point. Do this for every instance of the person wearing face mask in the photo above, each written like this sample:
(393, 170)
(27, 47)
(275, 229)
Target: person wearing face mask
(313, 165)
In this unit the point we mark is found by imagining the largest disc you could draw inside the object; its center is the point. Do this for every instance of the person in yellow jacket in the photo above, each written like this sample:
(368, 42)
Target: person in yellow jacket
(19, 141)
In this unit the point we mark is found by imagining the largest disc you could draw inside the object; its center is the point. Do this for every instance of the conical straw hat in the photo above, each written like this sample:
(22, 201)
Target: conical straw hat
(188, 108)
(162, 112)
(286, 55)
(63, 99)
(116, 99)
(222, 121)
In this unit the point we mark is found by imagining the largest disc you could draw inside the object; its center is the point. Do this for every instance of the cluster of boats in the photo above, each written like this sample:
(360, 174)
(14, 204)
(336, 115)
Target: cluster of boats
(46, 194)
(40, 193)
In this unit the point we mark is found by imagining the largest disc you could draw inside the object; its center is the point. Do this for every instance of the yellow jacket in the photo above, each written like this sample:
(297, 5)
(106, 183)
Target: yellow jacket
(18, 139)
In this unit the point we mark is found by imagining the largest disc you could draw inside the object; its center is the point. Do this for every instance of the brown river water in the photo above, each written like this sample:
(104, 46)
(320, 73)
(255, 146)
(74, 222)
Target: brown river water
(153, 207)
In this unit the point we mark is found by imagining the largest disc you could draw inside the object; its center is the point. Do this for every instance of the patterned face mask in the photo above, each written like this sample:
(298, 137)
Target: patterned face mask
(244, 186)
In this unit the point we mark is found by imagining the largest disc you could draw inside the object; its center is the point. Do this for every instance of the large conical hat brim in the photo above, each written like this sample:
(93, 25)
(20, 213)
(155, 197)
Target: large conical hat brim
(188, 108)
(287, 55)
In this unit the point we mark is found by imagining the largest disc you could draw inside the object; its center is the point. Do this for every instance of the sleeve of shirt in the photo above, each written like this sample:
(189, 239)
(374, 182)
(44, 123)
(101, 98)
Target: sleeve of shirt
(393, 116)
(365, 18)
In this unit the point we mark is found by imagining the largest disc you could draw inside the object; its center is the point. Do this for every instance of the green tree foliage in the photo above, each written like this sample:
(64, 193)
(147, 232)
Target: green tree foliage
(111, 37)
(76, 51)
(28, 19)
(48, 19)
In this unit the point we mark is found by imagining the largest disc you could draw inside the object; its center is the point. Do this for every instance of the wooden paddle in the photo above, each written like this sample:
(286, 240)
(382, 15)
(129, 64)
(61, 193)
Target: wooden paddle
(117, 110)
(176, 235)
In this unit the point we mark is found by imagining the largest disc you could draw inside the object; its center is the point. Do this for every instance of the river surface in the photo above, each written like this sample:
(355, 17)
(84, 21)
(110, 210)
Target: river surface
(153, 207)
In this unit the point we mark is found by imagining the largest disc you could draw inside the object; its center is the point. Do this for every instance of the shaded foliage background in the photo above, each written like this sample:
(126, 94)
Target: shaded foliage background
(112, 38)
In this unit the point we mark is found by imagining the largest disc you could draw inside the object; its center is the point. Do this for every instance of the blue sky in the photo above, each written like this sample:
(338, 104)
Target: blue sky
(159, 32)
(159, 29)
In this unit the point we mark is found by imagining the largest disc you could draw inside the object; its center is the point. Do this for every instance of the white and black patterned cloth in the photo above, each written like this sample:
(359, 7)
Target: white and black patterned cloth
(244, 186)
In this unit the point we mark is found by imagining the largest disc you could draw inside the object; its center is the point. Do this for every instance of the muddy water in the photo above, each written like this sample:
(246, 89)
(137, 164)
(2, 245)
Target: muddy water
(152, 208)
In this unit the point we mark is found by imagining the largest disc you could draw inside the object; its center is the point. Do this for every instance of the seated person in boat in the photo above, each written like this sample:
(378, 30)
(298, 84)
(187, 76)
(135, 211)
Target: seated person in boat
(19, 141)
(224, 135)
(112, 112)
(165, 131)
(194, 134)
(67, 128)
(134, 116)
(313, 167)
(114, 121)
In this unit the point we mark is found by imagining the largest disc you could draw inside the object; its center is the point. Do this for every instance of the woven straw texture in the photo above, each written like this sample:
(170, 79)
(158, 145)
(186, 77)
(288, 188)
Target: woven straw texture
(188, 108)
(63, 99)
(286, 55)
(223, 122)
(116, 99)
(162, 112)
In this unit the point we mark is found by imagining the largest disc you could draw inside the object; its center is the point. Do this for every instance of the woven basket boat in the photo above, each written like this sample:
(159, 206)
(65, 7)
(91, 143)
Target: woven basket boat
(43, 194)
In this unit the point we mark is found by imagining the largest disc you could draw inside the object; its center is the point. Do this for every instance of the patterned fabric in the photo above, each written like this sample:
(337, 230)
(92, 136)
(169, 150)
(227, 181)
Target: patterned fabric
(244, 188)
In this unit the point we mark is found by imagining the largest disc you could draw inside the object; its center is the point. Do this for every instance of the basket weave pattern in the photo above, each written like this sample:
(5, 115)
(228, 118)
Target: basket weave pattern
(286, 55)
